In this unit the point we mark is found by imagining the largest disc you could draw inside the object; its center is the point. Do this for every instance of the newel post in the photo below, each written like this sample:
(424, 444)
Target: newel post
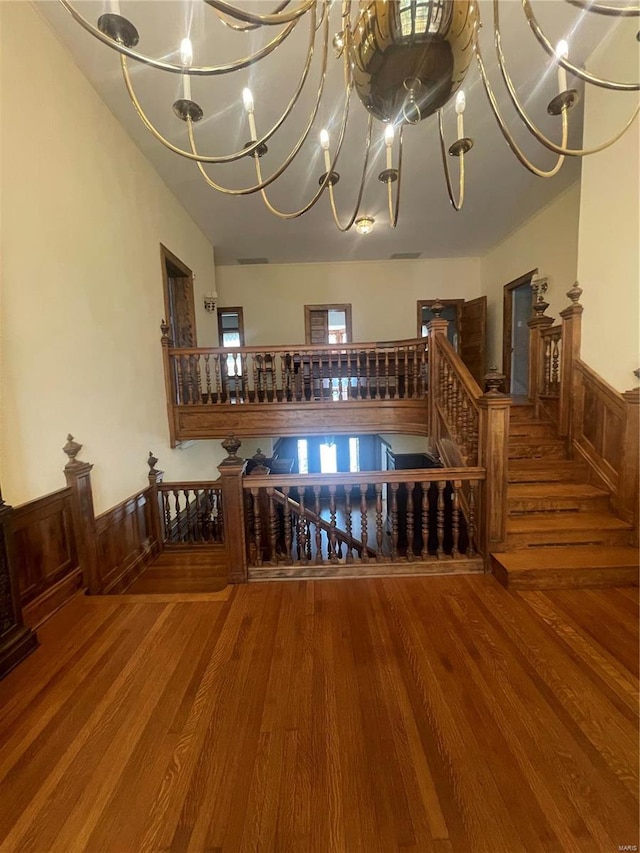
(571, 338)
(435, 327)
(235, 541)
(16, 640)
(170, 389)
(493, 455)
(536, 324)
(157, 529)
(78, 476)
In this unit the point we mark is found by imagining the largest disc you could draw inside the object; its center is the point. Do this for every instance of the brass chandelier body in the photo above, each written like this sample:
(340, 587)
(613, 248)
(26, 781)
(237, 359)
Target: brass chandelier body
(405, 59)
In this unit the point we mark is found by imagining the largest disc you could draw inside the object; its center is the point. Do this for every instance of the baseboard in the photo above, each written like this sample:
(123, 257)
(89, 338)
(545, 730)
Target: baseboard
(131, 571)
(51, 600)
(16, 647)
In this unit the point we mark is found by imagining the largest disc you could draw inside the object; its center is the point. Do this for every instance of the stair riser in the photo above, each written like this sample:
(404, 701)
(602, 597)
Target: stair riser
(537, 451)
(562, 579)
(530, 430)
(567, 537)
(555, 477)
(520, 506)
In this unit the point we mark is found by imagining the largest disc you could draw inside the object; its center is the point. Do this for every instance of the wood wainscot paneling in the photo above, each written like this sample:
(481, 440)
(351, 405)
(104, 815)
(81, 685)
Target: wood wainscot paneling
(125, 540)
(45, 556)
(408, 417)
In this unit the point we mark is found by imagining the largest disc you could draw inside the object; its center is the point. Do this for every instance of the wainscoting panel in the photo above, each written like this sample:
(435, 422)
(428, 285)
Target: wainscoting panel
(125, 542)
(45, 555)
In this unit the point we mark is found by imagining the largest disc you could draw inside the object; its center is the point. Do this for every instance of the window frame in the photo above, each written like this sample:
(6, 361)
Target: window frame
(231, 309)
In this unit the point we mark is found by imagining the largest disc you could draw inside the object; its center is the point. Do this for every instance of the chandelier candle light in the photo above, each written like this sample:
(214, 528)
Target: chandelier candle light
(405, 60)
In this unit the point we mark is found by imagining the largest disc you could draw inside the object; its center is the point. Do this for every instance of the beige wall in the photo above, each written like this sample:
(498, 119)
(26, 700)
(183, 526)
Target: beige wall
(548, 241)
(83, 214)
(609, 263)
(383, 294)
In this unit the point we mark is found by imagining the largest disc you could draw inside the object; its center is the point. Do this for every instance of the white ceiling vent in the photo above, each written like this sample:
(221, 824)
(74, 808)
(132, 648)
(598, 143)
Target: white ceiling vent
(248, 261)
(405, 256)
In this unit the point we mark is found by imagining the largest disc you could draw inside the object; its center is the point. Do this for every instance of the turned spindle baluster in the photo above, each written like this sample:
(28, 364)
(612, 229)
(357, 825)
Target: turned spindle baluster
(333, 550)
(394, 521)
(307, 533)
(339, 361)
(455, 517)
(244, 375)
(217, 377)
(405, 373)
(257, 525)
(179, 380)
(464, 423)
(416, 375)
(546, 375)
(316, 492)
(367, 366)
(423, 371)
(440, 518)
(348, 522)
(410, 521)
(198, 379)
(395, 363)
(426, 485)
(471, 526)
(379, 531)
(273, 527)
(555, 362)
(454, 409)
(167, 515)
(207, 375)
(287, 526)
(176, 501)
(363, 523)
(258, 383)
(188, 517)
(302, 531)
(386, 374)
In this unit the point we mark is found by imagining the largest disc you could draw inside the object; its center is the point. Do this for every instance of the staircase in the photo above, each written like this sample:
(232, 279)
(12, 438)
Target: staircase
(560, 528)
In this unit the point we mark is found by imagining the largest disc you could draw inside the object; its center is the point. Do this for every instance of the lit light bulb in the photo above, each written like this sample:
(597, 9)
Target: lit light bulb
(324, 139)
(247, 100)
(388, 141)
(562, 52)
(364, 225)
(461, 103)
(186, 58)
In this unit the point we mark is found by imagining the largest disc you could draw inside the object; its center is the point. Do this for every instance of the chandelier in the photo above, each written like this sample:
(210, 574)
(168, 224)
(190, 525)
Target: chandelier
(405, 59)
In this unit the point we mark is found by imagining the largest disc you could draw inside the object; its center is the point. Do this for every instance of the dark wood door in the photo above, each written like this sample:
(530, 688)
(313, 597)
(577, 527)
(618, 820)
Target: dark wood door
(473, 336)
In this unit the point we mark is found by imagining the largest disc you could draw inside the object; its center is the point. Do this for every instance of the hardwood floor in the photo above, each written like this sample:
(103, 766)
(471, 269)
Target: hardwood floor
(392, 714)
(172, 572)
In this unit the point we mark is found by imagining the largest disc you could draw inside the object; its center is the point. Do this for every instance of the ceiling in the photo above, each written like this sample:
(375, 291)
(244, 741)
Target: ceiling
(500, 194)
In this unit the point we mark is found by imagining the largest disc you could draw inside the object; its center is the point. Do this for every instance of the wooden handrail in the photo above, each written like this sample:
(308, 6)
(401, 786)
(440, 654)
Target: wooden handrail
(335, 349)
(418, 475)
(463, 373)
(191, 485)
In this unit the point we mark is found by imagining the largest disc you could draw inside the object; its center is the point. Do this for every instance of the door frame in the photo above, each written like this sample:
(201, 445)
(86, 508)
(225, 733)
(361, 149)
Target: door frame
(346, 307)
(180, 270)
(507, 322)
(427, 303)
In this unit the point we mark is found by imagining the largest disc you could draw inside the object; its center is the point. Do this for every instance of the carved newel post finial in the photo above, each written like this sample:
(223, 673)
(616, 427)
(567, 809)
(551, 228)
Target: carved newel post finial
(165, 328)
(152, 462)
(574, 293)
(231, 444)
(493, 381)
(259, 458)
(437, 308)
(72, 448)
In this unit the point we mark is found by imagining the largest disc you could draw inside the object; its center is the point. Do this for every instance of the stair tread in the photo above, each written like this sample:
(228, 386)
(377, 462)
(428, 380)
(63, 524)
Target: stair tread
(536, 439)
(569, 521)
(555, 490)
(569, 558)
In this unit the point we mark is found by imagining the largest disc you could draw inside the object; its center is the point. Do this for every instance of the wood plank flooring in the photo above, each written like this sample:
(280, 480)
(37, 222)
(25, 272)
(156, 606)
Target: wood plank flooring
(175, 572)
(391, 714)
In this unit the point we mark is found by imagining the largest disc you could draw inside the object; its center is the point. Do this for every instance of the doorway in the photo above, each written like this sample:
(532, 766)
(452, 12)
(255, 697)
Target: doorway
(327, 324)
(178, 299)
(518, 299)
(467, 330)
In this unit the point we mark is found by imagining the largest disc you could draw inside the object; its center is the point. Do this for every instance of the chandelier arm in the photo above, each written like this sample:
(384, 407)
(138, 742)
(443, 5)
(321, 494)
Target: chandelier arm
(581, 73)
(334, 209)
(261, 20)
(457, 205)
(603, 9)
(394, 213)
(223, 158)
(262, 184)
(245, 28)
(194, 70)
(557, 149)
(507, 133)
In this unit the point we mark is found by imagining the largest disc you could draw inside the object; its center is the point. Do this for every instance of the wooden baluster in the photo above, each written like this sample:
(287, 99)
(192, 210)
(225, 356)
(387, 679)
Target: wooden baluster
(248, 509)
(396, 373)
(368, 373)
(176, 501)
(316, 492)
(410, 521)
(257, 383)
(333, 550)
(440, 517)
(455, 388)
(363, 522)
(287, 526)
(218, 378)
(379, 531)
(302, 531)
(307, 533)
(282, 384)
(199, 395)
(179, 380)
(416, 375)
(423, 362)
(257, 525)
(273, 528)
(394, 521)
(348, 522)
(471, 525)
(426, 485)
(464, 423)
(386, 374)
(455, 517)
(245, 377)
(460, 415)
(546, 376)
(555, 362)
(207, 374)
(272, 379)
(167, 516)
(188, 517)
(339, 358)
(442, 372)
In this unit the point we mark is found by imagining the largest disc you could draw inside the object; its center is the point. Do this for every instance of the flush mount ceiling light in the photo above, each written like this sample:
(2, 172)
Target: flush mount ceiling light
(406, 59)
(364, 225)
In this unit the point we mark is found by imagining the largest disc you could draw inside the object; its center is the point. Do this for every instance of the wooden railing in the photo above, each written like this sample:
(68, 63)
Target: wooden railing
(395, 519)
(191, 513)
(379, 387)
